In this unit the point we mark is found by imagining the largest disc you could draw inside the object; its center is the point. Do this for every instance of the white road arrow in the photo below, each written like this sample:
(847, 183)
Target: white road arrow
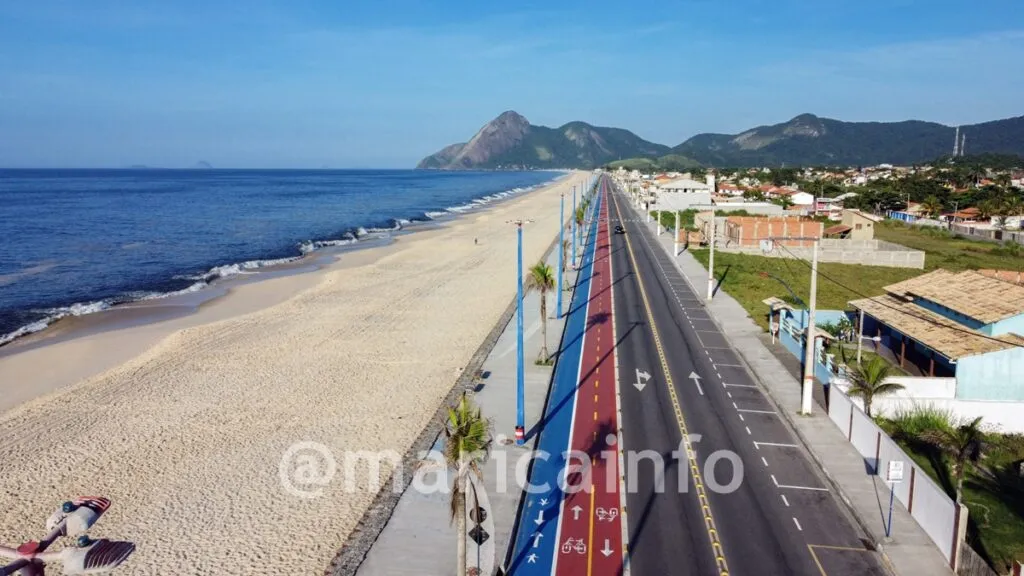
(576, 512)
(641, 379)
(696, 380)
(531, 559)
(540, 518)
(607, 550)
(536, 539)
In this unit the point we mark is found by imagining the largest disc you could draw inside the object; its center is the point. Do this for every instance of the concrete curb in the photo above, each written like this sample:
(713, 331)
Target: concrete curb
(843, 498)
(365, 533)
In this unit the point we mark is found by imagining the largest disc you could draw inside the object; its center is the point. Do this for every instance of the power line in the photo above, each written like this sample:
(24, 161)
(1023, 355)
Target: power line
(904, 312)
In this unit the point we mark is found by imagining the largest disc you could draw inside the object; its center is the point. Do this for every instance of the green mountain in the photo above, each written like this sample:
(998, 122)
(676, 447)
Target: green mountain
(667, 163)
(809, 140)
(510, 141)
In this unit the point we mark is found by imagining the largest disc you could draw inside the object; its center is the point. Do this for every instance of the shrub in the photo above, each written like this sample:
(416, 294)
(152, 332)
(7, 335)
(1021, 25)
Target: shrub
(909, 423)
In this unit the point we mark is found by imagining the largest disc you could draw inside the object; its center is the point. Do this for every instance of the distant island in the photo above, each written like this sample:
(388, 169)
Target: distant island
(202, 165)
(511, 142)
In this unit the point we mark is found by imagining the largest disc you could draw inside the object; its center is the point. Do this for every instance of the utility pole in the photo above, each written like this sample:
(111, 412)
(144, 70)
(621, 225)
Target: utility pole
(807, 392)
(675, 245)
(711, 259)
(860, 335)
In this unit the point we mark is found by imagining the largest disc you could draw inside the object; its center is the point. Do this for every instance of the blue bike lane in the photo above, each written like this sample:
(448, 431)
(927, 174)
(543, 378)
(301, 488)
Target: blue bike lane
(537, 533)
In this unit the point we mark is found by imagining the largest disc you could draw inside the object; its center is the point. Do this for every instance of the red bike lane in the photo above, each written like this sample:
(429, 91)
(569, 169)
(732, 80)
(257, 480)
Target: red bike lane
(590, 535)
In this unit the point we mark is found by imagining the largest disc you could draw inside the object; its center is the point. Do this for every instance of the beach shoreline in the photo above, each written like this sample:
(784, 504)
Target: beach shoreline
(348, 355)
(189, 287)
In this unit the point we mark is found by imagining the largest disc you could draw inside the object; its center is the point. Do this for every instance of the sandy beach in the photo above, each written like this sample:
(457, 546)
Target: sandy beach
(183, 423)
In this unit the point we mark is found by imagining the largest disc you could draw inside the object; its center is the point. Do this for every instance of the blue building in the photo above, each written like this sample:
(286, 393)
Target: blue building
(790, 326)
(912, 213)
(962, 325)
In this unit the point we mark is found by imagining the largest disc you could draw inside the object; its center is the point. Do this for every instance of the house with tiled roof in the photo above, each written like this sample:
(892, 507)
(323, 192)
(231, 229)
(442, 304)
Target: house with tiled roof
(961, 325)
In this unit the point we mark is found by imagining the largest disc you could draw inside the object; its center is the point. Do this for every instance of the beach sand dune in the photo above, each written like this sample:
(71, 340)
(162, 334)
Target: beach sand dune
(187, 438)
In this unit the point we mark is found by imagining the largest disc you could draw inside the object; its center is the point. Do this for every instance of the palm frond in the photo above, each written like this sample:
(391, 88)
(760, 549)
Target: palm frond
(540, 277)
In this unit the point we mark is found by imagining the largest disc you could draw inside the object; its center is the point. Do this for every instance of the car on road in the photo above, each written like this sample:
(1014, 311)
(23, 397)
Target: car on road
(619, 229)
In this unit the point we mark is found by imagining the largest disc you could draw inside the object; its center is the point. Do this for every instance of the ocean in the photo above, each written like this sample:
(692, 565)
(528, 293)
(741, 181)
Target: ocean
(77, 242)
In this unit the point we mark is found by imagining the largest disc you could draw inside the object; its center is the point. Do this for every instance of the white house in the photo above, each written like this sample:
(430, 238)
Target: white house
(681, 194)
(802, 199)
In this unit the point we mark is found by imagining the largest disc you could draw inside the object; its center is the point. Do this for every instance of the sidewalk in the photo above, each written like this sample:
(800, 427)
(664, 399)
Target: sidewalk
(419, 538)
(910, 552)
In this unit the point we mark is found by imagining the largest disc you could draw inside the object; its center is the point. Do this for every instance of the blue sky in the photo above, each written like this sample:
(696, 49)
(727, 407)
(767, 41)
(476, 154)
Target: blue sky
(381, 84)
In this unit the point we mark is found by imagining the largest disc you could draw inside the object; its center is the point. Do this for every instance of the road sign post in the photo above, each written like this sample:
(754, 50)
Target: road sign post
(894, 475)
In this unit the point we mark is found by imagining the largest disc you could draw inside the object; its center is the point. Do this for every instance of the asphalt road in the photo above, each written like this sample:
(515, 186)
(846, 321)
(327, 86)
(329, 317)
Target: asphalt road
(780, 517)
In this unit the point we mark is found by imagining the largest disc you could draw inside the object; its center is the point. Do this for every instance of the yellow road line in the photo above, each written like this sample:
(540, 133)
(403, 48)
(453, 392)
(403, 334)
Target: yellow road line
(590, 537)
(811, 547)
(691, 456)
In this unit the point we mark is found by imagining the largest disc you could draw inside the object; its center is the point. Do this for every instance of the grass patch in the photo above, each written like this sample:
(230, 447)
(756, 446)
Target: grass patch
(951, 251)
(743, 281)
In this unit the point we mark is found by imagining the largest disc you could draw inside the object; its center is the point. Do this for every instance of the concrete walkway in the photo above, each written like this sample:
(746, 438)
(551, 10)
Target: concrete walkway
(910, 552)
(419, 539)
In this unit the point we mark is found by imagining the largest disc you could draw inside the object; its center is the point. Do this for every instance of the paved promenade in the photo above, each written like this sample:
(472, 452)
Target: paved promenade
(910, 552)
(419, 539)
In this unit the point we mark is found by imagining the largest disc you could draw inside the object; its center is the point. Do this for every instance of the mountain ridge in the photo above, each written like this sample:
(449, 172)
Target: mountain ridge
(510, 141)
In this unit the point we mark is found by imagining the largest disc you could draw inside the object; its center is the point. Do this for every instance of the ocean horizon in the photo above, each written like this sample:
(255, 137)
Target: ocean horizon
(80, 241)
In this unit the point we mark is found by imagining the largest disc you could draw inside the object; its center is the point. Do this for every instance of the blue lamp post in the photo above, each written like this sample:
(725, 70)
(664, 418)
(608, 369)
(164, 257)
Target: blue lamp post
(574, 227)
(561, 249)
(520, 391)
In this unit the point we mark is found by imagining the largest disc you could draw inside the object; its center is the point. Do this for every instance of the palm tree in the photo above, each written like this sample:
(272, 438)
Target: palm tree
(987, 209)
(565, 255)
(467, 437)
(869, 380)
(975, 173)
(931, 206)
(541, 278)
(1012, 206)
(964, 444)
(581, 215)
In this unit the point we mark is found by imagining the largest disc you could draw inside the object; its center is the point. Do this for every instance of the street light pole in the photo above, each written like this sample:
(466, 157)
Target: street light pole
(561, 250)
(807, 391)
(573, 218)
(520, 377)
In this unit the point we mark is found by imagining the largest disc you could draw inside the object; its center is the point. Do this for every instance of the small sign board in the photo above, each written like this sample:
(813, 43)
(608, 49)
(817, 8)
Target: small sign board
(895, 472)
(767, 246)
